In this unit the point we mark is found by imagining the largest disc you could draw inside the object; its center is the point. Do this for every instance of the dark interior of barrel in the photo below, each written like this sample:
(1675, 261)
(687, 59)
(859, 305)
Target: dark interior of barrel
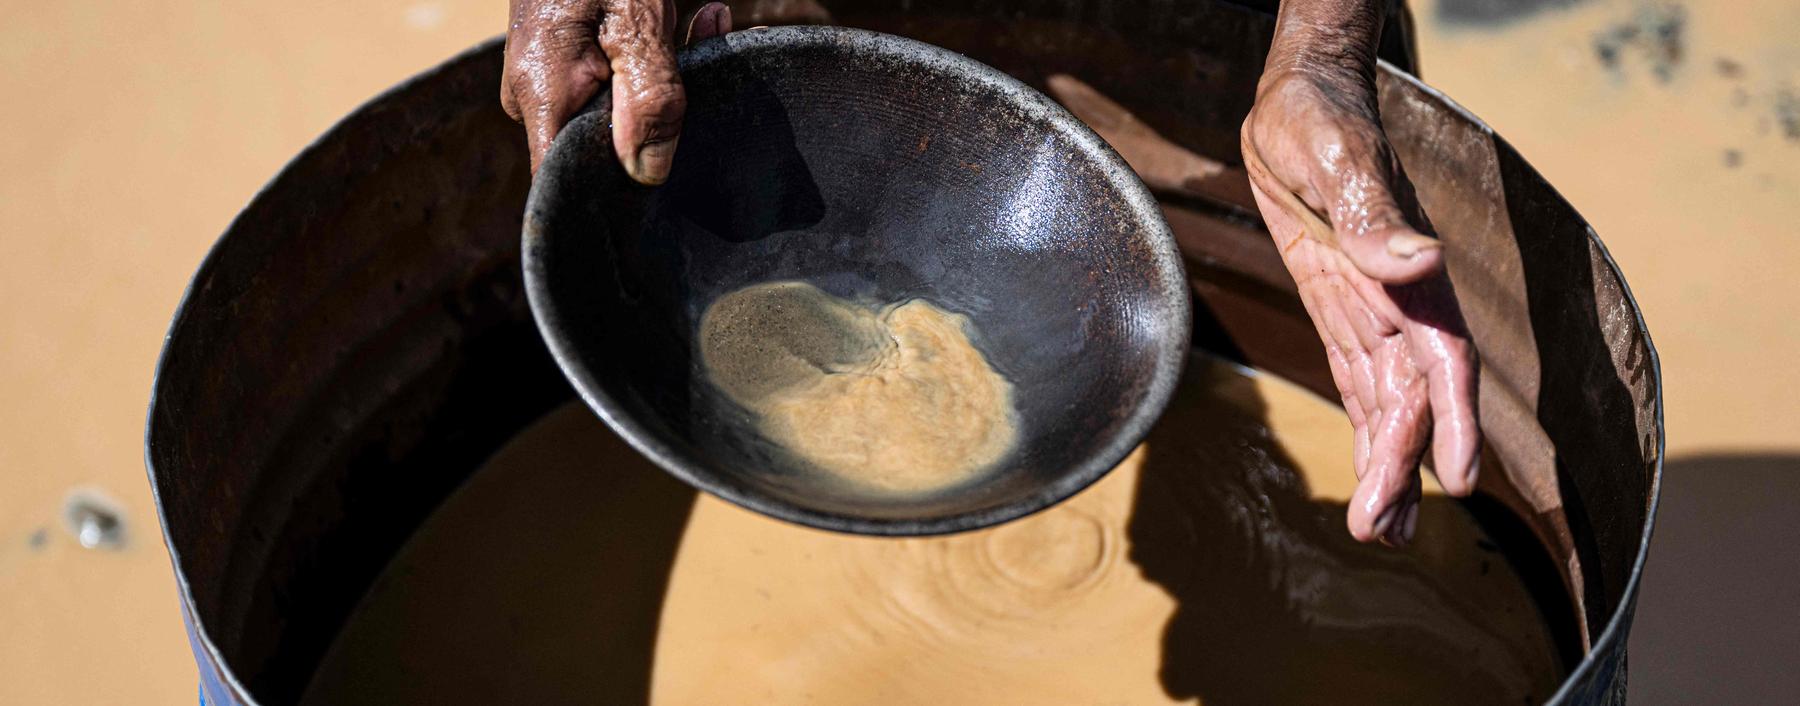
(359, 343)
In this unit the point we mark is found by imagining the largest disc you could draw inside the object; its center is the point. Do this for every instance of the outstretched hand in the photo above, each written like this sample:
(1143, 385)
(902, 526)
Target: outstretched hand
(1374, 285)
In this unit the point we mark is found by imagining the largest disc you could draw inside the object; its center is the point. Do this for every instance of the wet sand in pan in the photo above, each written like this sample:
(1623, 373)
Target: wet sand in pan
(894, 399)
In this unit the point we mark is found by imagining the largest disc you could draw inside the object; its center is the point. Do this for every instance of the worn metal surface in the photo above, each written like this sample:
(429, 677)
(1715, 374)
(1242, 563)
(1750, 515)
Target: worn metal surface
(358, 340)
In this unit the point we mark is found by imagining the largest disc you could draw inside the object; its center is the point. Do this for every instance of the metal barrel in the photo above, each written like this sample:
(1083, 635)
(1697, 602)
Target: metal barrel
(357, 342)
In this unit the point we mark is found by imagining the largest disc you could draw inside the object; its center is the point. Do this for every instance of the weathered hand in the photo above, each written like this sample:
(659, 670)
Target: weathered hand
(560, 52)
(1374, 286)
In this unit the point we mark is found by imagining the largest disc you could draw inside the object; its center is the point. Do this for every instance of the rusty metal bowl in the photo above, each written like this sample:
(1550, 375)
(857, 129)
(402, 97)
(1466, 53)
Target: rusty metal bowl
(880, 169)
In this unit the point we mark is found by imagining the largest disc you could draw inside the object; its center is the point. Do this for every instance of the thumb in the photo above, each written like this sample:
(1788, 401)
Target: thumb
(648, 99)
(711, 20)
(1373, 231)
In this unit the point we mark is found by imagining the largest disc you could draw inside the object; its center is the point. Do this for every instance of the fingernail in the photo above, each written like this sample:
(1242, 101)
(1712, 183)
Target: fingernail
(1385, 521)
(1473, 474)
(1410, 524)
(1407, 245)
(653, 161)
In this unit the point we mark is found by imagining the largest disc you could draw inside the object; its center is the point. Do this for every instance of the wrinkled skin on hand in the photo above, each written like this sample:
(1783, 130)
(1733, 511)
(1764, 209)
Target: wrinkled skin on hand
(559, 53)
(1374, 286)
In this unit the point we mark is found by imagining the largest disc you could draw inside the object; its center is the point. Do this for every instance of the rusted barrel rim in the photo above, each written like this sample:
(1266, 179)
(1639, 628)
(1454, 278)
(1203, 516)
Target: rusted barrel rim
(1618, 623)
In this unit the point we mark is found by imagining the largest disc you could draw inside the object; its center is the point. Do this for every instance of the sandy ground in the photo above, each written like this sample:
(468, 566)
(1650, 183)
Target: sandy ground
(138, 129)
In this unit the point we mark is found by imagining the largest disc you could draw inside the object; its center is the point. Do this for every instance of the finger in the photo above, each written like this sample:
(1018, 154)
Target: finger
(515, 24)
(1351, 372)
(1333, 321)
(1400, 429)
(711, 20)
(1401, 532)
(1353, 408)
(1392, 470)
(1338, 362)
(509, 100)
(648, 99)
(1376, 503)
(1344, 373)
(1452, 375)
(1440, 343)
(1369, 223)
(553, 67)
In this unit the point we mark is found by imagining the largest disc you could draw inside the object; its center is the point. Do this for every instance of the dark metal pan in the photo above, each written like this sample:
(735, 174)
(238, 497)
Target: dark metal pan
(880, 169)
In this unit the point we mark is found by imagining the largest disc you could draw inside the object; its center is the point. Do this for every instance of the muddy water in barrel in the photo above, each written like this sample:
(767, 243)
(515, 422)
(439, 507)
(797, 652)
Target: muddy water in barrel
(1212, 566)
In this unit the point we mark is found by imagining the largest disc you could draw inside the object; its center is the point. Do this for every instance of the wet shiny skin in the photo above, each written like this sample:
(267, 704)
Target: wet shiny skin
(1210, 565)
